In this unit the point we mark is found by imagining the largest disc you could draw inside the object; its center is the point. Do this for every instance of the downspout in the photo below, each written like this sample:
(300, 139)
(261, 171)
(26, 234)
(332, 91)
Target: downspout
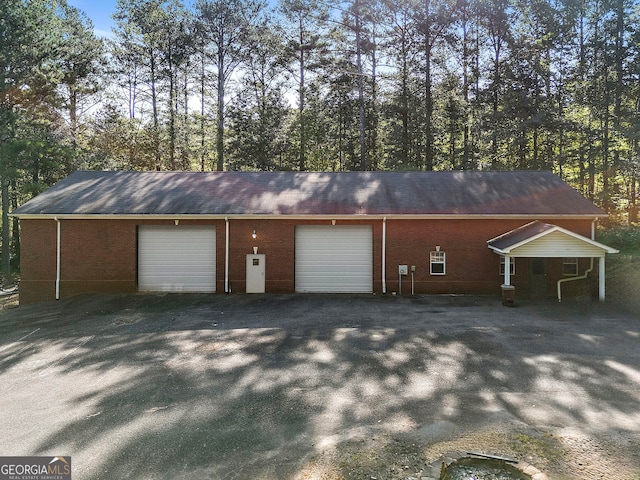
(384, 255)
(226, 255)
(573, 279)
(586, 273)
(58, 266)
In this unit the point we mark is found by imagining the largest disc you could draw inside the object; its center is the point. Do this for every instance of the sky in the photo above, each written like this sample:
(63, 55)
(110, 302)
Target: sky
(99, 11)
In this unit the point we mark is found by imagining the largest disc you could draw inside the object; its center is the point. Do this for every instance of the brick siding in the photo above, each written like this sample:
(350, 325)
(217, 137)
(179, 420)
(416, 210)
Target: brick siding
(101, 255)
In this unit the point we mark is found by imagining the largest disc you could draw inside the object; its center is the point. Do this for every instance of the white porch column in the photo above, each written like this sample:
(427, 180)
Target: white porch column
(58, 262)
(601, 286)
(507, 270)
(384, 255)
(226, 255)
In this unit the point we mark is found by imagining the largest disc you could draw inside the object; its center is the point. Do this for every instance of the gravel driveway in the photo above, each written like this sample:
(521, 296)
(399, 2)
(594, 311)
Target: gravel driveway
(314, 386)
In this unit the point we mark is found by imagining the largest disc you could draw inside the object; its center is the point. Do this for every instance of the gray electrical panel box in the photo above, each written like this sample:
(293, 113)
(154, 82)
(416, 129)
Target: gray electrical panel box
(403, 269)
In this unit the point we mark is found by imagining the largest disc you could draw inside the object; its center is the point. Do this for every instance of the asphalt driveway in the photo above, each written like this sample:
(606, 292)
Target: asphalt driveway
(293, 386)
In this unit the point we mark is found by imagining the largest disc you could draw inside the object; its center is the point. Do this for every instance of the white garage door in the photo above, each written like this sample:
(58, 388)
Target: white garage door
(334, 259)
(176, 258)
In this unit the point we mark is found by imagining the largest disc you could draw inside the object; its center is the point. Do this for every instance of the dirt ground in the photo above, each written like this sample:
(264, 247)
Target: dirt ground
(558, 455)
(319, 387)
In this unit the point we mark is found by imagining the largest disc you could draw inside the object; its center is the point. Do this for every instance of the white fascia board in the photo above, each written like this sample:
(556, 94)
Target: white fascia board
(222, 216)
(498, 251)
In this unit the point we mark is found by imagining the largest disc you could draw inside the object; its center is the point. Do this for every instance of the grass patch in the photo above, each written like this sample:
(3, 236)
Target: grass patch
(543, 445)
(381, 459)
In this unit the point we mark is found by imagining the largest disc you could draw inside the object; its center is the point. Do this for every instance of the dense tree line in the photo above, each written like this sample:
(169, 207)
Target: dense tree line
(324, 85)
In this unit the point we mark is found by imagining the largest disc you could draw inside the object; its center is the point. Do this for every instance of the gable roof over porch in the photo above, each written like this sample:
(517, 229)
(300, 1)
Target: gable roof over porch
(538, 239)
(544, 240)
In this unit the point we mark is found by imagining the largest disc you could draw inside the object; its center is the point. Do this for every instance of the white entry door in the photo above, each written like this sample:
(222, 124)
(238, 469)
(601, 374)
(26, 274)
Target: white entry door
(255, 273)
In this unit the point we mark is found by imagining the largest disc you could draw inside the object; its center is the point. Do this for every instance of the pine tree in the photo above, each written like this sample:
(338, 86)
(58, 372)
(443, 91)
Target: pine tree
(28, 41)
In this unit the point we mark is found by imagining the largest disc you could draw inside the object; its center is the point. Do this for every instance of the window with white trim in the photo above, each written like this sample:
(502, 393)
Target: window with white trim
(437, 263)
(570, 266)
(512, 266)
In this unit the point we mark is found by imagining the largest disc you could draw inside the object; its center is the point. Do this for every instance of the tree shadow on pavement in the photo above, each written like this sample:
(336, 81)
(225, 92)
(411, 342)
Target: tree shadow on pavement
(253, 387)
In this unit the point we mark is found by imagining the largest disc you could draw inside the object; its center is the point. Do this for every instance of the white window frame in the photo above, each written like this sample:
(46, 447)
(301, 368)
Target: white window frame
(570, 262)
(512, 265)
(437, 257)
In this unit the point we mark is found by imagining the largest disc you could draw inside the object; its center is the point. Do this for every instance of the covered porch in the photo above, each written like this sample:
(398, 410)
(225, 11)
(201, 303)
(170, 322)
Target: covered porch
(538, 240)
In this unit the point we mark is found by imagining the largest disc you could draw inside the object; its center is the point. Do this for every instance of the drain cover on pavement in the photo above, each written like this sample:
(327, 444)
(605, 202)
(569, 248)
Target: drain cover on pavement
(470, 468)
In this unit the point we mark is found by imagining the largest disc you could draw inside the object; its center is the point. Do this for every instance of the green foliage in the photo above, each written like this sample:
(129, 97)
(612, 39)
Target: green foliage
(499, 84)
(80, 59)
(625, 238)
(29, 72)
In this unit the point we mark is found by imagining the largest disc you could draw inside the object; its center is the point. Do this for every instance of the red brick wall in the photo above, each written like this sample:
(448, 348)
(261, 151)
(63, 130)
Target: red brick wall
(471, 267)
(274, 239)
(101, 255)
(98, 256)
(37, 260)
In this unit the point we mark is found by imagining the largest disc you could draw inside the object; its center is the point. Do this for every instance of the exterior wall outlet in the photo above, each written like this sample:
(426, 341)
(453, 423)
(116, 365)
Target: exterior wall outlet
(402, 269)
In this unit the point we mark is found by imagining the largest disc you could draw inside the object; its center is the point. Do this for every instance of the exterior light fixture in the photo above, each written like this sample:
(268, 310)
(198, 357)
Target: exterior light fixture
(254, 235)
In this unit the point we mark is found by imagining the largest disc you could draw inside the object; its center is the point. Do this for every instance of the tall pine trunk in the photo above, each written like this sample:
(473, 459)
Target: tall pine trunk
(428, 100)
(301, 94)
(220, 129)
(73, 116)
(203, 152)
(154, 106)
(495, 107)
(172, 114)
(466, 132)
(619, 68)
(363, 144)
(6, 232)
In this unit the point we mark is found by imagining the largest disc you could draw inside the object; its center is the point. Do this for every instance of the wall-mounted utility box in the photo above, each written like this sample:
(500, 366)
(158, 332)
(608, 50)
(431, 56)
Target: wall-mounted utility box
(403, 269)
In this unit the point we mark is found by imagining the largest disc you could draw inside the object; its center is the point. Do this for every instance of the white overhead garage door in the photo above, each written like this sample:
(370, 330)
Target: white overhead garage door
(334, 259)
(176, 258)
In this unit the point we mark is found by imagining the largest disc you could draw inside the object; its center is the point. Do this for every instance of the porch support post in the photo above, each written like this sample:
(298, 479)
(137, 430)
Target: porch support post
(508, 291)
(58, 257)
(226, 255)
(384, 255)
(507, 270)
(601, 286)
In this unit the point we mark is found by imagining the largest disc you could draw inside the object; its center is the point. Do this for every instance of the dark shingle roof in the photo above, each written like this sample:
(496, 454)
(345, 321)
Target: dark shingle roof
(519, 235)
(307, 193)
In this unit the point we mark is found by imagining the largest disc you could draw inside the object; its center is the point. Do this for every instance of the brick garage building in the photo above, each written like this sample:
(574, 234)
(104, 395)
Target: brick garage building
(456, 233)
